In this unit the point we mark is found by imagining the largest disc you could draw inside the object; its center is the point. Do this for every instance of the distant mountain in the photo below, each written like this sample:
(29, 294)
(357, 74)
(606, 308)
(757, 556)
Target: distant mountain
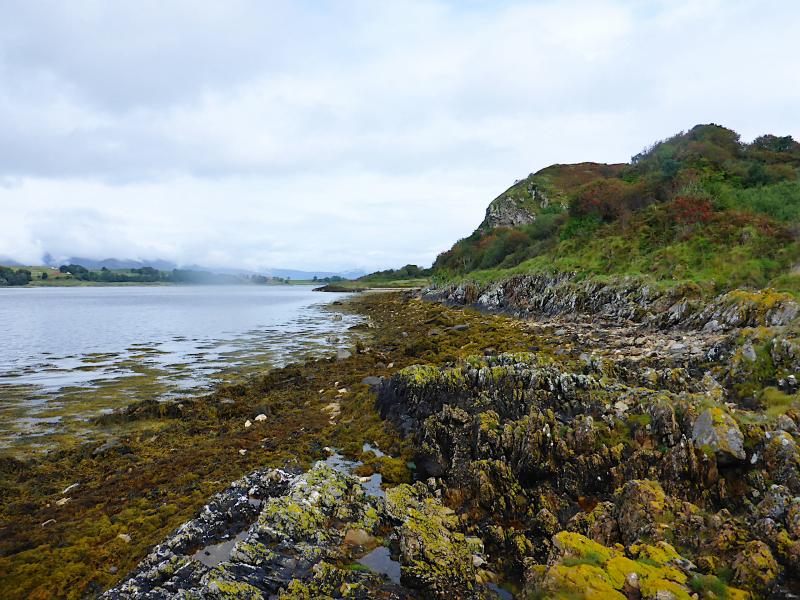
(110, 263)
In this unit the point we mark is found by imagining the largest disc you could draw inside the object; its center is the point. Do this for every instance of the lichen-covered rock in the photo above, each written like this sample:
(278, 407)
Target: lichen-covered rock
(580, 568)
(640, 507)
(716, 430)
(435, 558)
(755, 568)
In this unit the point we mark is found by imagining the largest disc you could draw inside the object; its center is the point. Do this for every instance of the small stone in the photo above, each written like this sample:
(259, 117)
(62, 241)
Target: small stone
(63, 501)
(124, 537)
(69, 488)
(342, 354)
(358, 537)
(261, 417)
(247, 423)
(242, 451)
(748, 352)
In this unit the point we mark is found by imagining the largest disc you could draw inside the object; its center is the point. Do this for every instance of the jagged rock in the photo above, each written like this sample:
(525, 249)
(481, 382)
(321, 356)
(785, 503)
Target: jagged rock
(626, 299)
(599, 525)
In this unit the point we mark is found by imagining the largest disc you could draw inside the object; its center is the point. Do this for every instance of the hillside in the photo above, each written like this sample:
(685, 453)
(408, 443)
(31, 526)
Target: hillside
(699, 207)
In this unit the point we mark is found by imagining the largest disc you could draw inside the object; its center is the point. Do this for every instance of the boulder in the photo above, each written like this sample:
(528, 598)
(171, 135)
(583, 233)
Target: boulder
(715, 430)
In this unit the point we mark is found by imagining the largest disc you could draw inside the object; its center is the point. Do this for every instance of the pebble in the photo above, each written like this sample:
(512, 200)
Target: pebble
(63, 501)
(124, 537)
(247, 423)
(242, 451)
(261, 417)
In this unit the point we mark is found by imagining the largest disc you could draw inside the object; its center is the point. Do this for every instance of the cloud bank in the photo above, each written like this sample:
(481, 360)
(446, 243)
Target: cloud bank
(332, 135)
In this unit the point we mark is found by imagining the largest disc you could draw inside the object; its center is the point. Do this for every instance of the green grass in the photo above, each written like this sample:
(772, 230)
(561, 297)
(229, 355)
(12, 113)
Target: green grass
(733, 250)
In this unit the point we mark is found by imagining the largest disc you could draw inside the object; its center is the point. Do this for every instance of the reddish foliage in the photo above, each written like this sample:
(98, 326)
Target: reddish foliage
(691, 210)
(611, 199)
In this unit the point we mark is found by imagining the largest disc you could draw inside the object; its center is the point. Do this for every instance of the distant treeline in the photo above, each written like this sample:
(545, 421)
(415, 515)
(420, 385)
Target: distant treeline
(9, 276)
(151, 275)
(407, 272)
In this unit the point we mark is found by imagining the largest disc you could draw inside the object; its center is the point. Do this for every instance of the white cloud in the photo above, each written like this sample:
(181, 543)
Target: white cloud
(336, 135)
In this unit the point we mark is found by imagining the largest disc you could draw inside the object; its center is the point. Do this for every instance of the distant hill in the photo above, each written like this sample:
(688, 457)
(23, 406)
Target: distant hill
(699, 207)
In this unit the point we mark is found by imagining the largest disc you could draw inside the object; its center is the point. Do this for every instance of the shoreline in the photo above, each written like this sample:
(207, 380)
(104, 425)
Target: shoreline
(202, 438)
(540, 450)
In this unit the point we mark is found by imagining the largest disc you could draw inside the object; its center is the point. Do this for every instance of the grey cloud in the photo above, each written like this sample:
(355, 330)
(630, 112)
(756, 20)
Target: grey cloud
(331, 134)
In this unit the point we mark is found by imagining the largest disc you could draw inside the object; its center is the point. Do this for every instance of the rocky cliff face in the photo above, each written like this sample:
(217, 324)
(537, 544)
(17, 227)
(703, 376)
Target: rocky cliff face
(547, 189)
(507, 211)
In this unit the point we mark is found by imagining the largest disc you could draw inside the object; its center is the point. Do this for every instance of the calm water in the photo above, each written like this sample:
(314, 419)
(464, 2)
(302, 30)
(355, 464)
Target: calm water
(67, 354)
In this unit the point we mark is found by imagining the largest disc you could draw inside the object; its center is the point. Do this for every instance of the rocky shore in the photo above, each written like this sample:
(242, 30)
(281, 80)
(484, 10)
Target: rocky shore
(602, 441)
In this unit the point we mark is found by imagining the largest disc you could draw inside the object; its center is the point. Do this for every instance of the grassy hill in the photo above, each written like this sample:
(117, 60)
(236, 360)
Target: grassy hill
(699, 207)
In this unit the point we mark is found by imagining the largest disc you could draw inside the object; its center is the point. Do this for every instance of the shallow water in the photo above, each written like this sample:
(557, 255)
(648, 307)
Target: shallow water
(73, 353)
(380, 561)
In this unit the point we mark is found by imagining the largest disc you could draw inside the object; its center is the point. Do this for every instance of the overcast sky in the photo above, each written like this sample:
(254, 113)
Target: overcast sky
(334, 135)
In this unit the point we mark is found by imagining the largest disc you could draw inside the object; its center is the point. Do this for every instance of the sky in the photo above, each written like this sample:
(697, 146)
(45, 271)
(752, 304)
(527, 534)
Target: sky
(347, 134)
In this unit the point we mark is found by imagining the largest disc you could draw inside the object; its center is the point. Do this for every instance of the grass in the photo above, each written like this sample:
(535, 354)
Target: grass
(731, 251)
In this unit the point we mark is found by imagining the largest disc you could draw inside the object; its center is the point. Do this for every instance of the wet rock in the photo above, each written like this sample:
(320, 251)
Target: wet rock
(372, 381)
(342, 354)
